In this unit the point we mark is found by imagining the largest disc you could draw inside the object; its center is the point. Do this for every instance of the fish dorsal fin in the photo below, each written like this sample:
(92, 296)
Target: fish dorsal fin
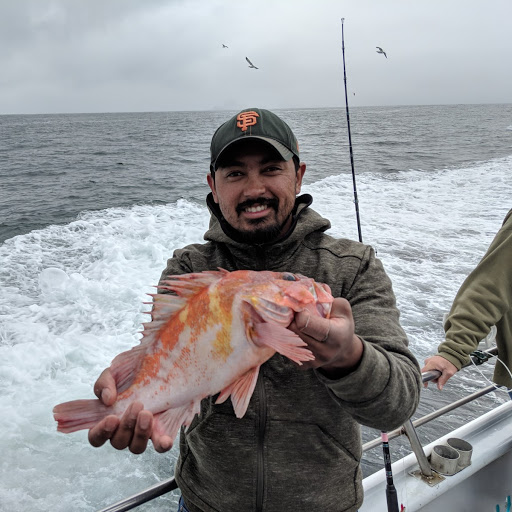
(126, 365)
(241, 391)
(189, 284)
(165, 305)
(182, 287)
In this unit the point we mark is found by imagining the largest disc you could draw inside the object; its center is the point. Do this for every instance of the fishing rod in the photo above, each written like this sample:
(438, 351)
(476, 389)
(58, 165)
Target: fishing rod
(356, 201)
(391, 495)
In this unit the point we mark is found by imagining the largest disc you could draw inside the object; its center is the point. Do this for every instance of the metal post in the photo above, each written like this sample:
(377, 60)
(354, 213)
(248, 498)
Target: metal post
(418, 449)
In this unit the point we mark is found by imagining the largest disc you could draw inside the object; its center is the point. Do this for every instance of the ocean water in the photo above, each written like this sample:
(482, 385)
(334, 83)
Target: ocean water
(92, 205)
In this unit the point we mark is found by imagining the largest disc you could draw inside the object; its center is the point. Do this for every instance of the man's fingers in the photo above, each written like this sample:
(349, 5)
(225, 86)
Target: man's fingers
(132, 431)
(341, 308)
(443, 379)
(442, 365)
(162, 444)
(105, 388)
(142, 432)
(103, 431)
(313, 326)
(124, 434)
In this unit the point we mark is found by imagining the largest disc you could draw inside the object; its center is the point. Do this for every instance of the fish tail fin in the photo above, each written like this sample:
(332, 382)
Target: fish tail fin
(79, 414)
(282, 340)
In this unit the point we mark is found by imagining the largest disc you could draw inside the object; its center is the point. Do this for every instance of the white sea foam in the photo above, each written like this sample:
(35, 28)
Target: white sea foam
(429, 229)
(72, 299)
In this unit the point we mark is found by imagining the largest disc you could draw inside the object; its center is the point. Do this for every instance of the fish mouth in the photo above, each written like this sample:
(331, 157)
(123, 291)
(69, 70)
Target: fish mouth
(324, 308)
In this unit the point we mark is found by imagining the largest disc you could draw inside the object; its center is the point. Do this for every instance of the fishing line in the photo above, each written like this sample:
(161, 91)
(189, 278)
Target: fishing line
(498, 388)
(391, 495)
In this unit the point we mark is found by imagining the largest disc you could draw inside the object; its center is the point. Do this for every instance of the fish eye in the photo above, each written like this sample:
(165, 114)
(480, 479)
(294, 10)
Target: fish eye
(287, 276)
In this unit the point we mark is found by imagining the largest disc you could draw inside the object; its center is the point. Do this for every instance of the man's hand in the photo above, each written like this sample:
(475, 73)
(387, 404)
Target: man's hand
(133, 430)
(336, 348)
(442, 365)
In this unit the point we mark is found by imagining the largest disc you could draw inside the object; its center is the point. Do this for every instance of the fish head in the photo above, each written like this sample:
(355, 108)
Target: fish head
(277, 296)
(308, 292)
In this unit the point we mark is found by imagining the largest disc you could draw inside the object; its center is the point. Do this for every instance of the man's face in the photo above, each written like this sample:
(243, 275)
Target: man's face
(255, 190)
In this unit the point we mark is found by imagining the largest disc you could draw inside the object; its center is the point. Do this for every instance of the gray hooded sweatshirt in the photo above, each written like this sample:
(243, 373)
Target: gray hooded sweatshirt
(298, 447)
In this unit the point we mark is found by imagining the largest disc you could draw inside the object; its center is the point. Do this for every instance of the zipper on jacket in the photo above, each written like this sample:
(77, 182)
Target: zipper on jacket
(261, 425)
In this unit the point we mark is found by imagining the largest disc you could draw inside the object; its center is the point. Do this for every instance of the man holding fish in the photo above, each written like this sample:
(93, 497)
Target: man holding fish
(288, 439)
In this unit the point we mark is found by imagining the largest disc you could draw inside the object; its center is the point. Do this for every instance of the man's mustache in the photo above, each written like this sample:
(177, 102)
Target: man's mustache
(269, 202)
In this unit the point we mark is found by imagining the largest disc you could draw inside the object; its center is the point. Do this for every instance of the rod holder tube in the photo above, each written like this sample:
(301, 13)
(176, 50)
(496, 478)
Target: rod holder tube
(423, 462)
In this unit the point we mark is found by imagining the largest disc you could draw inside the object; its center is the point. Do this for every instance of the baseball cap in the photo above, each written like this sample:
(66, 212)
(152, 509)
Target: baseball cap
(256, 123)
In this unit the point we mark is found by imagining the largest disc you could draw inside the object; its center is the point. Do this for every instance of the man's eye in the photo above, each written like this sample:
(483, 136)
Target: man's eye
(287, 276)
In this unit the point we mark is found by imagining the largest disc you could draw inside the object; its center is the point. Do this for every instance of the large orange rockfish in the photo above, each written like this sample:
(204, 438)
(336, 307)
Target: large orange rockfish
(210, 335)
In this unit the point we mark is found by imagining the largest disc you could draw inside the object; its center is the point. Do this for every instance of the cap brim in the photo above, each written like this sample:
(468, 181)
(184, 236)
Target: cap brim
(285, 153)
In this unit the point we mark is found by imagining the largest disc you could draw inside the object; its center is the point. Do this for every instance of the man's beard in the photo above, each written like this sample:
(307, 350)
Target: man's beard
(264, 234)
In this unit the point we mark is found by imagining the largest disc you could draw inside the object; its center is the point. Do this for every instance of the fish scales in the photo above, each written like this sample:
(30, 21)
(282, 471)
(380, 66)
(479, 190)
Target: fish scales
(209, 336)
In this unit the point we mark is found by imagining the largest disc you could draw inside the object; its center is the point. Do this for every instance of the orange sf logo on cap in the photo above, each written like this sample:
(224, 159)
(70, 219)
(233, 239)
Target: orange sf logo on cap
(246, 119)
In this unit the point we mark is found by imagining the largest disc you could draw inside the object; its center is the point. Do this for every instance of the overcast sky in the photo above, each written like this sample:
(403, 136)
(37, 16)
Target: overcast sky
(160, 55)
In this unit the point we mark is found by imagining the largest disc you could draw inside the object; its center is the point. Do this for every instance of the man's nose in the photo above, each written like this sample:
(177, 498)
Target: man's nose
(255, 186)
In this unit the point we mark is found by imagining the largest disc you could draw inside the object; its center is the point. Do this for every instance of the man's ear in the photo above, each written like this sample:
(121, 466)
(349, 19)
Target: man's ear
(299, 175)
(211, 183)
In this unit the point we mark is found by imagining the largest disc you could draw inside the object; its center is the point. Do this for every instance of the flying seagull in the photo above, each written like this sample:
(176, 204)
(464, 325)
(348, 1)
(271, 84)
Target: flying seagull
(380, 50)
(224, 46)
(251, 65)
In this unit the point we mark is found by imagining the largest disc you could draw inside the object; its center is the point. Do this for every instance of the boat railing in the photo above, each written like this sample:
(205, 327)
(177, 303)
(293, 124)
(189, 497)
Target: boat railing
(409, 429)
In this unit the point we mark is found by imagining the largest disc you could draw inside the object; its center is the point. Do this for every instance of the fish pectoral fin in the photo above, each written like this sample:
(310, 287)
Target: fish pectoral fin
(241, 391)
(282, 340)
(170, 421)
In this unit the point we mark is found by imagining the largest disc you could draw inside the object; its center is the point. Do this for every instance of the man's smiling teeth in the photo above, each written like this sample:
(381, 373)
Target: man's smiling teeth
(255, 209)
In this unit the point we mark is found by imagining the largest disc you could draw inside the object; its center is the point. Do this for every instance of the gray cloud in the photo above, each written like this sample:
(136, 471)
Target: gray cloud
(131, 55)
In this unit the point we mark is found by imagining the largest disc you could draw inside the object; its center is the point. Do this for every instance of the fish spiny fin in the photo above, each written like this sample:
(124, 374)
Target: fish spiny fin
(125, 366)
(282, 340)
(164, 304)
(170, 421)
(164, 308)
(189, 284)
(241, 391)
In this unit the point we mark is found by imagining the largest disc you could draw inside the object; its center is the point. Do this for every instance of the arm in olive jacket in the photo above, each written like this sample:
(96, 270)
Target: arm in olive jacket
(483, 300)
